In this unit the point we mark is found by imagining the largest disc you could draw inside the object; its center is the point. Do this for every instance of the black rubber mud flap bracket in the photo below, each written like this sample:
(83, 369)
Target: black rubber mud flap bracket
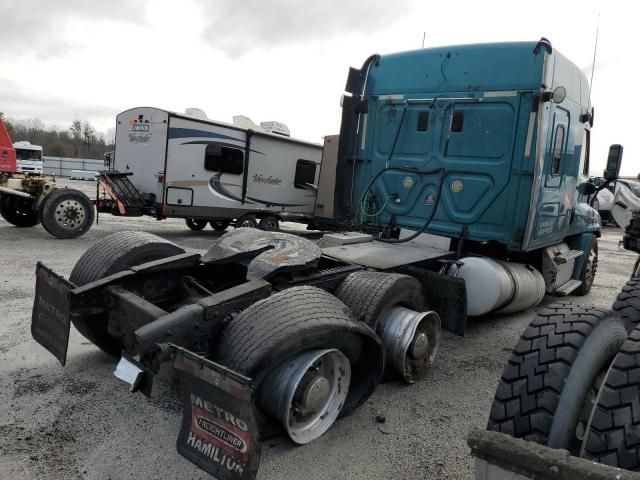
(50, 318)
(219, 430)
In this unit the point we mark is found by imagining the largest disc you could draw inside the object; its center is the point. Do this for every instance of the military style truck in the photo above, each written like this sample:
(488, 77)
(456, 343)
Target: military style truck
(485, 148)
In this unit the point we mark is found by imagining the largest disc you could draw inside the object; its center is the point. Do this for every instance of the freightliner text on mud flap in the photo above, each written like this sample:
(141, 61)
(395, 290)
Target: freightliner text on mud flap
(219, 431)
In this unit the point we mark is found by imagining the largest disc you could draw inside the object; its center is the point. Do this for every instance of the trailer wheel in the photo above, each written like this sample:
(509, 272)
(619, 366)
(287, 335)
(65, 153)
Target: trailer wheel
(532, 381)
(66, 213)
(370, 294)
(195, 224)
(248, 221)
(613, 433)
(589, 269)
(301, 319)
(219, 225)
(269, 224)
(105, 257)
(18, 211)
(627, 303)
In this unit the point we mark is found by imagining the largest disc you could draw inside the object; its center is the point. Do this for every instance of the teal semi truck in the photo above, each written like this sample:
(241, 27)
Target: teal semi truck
(484, 148)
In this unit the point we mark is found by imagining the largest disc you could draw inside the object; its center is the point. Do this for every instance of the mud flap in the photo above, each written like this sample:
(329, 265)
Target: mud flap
(50, 318)
(219, 429)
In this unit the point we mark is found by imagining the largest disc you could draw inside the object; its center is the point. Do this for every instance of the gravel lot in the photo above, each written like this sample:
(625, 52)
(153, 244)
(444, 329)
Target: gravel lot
(81, 422)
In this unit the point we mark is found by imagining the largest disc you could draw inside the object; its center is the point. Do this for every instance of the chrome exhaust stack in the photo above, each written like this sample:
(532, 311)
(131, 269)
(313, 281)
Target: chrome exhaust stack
(410, 340)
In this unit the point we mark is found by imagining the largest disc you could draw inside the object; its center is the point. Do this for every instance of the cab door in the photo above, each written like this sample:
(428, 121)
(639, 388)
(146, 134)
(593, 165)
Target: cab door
(554, 210)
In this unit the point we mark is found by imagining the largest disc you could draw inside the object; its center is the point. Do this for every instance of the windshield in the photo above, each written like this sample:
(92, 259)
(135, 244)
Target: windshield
(22, 154)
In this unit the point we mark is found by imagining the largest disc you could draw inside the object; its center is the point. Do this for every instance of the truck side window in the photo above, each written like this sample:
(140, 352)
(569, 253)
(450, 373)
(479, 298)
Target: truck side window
(423, 121)
(223, 159)
(457, 121)
(305, 173)
(557, 150)
(587, 149)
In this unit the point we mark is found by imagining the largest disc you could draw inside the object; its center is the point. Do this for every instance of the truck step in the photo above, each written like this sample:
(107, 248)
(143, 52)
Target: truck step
(562, 258)
(568, 287)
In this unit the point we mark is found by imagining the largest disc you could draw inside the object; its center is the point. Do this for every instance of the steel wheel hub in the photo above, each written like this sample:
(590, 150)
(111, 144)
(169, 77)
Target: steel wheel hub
(307, 392)
(69, 214)
(410, 340)
(420, 346)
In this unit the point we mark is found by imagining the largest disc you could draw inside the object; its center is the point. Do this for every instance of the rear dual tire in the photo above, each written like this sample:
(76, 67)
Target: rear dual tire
(110, 255)
(277, 329)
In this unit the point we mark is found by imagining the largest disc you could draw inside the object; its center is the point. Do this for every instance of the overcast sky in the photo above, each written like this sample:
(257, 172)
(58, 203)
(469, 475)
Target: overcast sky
(282, 60)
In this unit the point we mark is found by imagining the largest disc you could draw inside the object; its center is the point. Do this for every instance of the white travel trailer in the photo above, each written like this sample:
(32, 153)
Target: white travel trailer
(168, 164)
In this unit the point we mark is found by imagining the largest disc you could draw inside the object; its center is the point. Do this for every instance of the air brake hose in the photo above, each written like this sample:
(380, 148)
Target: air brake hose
(441, 171)
(426, 223)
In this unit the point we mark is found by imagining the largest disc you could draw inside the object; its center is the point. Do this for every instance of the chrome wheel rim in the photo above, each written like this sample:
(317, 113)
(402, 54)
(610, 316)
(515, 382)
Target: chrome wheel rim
(69, 214)
(307, 393)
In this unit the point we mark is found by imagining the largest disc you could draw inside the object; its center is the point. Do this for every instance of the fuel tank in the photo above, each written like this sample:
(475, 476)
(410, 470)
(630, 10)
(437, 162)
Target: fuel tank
(498, 286)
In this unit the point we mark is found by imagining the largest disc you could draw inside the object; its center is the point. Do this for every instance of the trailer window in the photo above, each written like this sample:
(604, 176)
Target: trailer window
(305, 173)
(587, 149)
(223, 159)
(557, 150)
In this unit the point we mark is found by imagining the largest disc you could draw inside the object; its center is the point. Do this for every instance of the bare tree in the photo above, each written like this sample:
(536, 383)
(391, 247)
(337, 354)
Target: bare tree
(76, 135)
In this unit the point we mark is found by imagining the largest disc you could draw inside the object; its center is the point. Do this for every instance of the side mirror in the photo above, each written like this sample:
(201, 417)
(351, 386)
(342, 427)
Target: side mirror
(613, 163)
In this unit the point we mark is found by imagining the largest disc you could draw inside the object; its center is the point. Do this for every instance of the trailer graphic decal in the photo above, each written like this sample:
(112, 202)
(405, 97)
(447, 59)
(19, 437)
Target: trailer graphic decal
(219, 431)
(222, 144)
(259, 178)
(218, 187)
(175, 132)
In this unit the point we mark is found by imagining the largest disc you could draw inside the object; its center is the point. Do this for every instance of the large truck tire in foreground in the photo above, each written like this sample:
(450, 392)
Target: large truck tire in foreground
(571, 386)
